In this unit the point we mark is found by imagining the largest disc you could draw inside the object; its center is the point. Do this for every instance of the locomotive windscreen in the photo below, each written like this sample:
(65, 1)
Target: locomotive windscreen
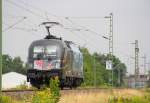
(45, 57)
(41, 52)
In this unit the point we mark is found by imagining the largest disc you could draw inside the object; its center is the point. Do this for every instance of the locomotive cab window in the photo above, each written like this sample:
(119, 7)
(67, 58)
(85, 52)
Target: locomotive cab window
(38, 52)
(51, 52)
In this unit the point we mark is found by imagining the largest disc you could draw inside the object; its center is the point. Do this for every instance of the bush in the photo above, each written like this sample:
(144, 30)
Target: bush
(54, 87)
(49, 95)
(42, 97)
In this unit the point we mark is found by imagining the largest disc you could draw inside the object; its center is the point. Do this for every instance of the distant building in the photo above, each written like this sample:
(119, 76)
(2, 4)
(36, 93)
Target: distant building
(141, 82)
(12, 80)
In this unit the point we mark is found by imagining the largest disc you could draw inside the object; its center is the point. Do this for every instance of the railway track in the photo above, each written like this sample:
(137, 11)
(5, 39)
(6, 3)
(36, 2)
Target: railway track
(19, 94)
(18, 90)
(65, 89)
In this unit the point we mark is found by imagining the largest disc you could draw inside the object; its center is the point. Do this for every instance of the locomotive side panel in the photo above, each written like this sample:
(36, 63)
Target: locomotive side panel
(77, 63)
(73, 69)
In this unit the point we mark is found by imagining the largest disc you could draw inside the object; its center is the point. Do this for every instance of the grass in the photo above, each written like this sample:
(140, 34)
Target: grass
(7, 99)
(107, 96)
(84, 98)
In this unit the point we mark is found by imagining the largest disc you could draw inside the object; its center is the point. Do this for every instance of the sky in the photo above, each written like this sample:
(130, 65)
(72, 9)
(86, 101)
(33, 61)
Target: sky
(22, 18)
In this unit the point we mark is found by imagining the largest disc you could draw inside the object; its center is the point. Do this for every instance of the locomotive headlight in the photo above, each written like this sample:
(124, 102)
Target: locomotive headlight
(57, 64)
(30, 65)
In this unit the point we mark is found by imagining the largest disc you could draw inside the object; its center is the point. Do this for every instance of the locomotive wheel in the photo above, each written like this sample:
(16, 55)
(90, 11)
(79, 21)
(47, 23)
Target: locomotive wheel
(77, 82)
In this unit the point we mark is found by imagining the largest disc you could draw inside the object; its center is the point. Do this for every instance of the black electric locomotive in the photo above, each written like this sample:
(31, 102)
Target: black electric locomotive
(52, 57)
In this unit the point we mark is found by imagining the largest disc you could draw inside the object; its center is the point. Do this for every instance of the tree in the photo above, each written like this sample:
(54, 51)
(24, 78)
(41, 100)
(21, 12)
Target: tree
(9, 64)
(6, 63)
(88, 67)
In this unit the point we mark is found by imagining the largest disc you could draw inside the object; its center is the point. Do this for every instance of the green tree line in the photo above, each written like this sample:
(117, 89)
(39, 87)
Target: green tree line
(10, 64)
(95, 67)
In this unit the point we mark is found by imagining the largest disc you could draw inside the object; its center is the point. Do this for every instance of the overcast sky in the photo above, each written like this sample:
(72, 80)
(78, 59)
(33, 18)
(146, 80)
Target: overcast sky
(131, 22)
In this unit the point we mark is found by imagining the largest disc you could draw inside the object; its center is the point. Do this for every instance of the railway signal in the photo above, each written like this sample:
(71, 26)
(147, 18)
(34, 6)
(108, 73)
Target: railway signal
(109, 65)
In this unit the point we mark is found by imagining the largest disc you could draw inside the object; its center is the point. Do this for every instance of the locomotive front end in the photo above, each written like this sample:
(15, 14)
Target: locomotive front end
(44, 61)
